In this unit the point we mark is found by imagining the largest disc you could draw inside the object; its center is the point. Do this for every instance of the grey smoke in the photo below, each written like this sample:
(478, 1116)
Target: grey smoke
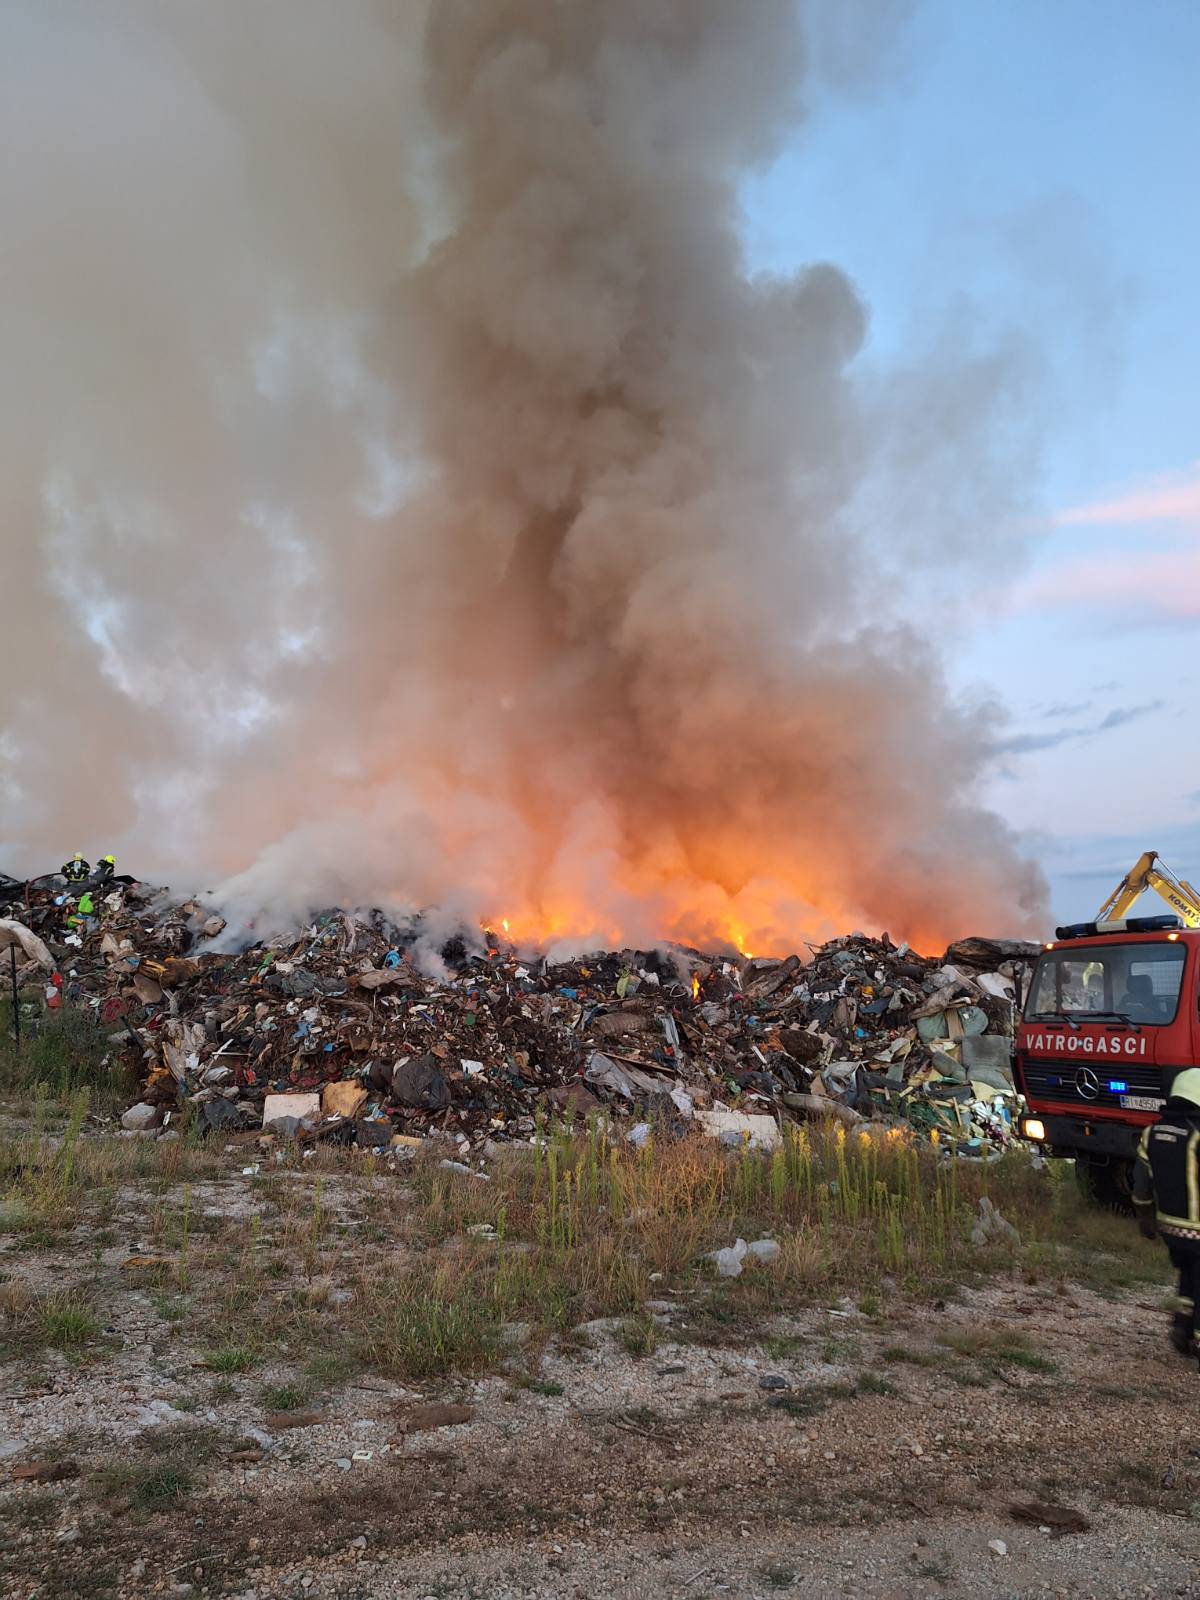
(410, 497)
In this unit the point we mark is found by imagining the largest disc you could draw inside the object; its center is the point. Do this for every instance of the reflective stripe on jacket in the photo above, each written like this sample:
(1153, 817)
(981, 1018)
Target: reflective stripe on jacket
(1167, 1172)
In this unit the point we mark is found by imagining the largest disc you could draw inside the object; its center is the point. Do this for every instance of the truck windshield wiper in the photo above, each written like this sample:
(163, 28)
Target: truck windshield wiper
(1118, 1016)
(1054, 1016)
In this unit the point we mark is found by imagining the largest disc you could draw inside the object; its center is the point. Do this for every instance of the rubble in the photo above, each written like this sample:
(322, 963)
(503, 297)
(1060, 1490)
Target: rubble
(141, 1118)
(991, 1228)
(351, 1028)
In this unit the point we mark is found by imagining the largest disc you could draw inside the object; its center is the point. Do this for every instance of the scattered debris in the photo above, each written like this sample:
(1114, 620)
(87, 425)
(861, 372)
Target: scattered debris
(735, 1128)
(141, 1118)
(45, 1471)
(353, 1028)
(16, 935)
(991, 1228)
(1056, 1519)
(423, 1419)
(729, 1261)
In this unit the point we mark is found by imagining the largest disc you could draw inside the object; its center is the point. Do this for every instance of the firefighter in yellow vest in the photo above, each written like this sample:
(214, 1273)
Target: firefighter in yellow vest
(76, 871)
(1166, 1196)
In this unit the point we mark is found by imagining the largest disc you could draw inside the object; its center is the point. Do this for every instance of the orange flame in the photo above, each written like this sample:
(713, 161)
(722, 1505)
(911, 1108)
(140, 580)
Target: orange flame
(575, 902)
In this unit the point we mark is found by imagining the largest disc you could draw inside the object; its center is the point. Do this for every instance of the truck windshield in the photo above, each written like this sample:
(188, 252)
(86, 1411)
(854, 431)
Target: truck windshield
(1137, 982)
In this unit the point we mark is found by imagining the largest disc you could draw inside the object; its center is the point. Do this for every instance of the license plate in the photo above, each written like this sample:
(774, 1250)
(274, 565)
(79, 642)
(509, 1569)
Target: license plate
(1141, 1102)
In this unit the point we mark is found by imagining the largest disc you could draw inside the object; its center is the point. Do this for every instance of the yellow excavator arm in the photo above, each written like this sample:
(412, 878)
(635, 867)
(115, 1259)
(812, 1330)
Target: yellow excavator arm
(1178, 893)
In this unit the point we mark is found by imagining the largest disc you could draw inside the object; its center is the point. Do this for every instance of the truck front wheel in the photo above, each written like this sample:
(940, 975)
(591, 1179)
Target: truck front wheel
(1106, 1184)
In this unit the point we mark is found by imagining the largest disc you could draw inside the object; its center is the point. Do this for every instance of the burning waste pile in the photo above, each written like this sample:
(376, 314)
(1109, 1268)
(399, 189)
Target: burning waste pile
(334, 1032)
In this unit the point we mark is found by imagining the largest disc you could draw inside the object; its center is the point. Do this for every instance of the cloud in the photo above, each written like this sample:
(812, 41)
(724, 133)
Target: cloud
(1067, 711)
(1084, 870)
(1141, 585)
(1028, 743)
(1154, 576)
(1173, 497)
(1123, 714)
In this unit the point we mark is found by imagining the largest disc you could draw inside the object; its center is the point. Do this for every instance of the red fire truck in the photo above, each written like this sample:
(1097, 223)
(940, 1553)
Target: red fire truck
(1112, 1014)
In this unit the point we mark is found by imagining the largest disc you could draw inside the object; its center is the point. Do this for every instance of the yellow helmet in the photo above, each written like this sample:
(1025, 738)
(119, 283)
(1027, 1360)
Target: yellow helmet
(110, 859)
(1186, 1086)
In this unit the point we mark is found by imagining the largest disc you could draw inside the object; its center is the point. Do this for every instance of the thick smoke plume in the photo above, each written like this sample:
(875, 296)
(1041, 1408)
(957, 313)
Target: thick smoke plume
(409, 495)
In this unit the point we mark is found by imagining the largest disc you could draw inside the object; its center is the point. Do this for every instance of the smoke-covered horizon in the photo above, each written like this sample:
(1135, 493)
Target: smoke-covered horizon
(410, 498)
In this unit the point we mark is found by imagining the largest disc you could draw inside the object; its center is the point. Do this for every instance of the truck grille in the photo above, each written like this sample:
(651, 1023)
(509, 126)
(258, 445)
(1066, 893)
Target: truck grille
(1097, 1084)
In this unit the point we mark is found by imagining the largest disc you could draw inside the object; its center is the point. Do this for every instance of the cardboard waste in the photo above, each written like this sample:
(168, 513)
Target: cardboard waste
(352, 1028)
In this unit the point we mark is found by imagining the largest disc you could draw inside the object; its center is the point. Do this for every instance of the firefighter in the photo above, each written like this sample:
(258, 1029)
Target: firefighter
(105, 871)
(76, 870)
(1166, 1195)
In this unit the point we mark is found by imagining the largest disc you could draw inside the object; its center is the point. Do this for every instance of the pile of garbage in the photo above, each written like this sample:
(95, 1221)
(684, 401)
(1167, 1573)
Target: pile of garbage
(354, 1029)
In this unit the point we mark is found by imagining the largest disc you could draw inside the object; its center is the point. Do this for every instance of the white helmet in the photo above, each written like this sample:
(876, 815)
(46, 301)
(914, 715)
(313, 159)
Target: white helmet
(1186, 1086)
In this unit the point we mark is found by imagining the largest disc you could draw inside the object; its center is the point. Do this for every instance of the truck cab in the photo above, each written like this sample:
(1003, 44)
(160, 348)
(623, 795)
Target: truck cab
(1112, 1014)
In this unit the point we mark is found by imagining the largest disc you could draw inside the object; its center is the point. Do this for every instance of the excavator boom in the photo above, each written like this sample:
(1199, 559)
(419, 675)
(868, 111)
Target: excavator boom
(1149, 873)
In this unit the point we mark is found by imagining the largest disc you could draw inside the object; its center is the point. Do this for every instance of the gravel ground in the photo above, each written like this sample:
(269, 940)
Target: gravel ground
(880, 1457)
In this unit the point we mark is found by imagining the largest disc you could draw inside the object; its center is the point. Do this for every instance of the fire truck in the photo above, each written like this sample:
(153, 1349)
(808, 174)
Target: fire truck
(1112, 1014)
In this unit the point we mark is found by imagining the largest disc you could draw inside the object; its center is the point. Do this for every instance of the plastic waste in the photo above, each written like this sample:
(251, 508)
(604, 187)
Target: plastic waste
(729, 1261)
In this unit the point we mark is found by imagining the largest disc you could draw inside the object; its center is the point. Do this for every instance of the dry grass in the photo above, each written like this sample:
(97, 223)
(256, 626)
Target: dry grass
(380, 1270)
(267, 1292)
(62, 1052)
(64, 1320)
(994, 1348)
(50, 1174)
(586, 1227)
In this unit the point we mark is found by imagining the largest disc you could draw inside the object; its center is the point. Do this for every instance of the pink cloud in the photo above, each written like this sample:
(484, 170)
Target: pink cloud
(1142, 584)
(1175, 498)
(1157, 575)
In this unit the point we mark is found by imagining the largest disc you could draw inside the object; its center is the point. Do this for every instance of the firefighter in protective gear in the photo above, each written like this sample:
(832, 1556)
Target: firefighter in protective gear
(76, 870)
(105, 871)
(1166, 1193)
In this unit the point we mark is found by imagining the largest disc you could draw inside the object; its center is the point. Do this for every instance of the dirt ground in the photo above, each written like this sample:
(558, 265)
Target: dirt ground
(853, 1451)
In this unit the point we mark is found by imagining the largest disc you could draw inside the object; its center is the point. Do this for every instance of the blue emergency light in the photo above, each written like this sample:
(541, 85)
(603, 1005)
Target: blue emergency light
(1118, 1086)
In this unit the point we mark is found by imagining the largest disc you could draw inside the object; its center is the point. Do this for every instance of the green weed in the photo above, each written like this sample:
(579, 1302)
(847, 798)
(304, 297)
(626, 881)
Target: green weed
(996, 1347)
(29, 1321)
(872, 1383)
(230, 1358)
(784, 1346)
(937, 1568)
(894, 1353)
(66, 1322)
(329, 1368)
(286, 1397)
(150, 1486)
(64, 1051)
(777, 1576)
(426, 1327)
(639, 1336)
(169, 1308)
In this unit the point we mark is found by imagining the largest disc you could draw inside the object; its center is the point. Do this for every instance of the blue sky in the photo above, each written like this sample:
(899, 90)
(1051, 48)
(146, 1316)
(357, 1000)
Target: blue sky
(1037, 160)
